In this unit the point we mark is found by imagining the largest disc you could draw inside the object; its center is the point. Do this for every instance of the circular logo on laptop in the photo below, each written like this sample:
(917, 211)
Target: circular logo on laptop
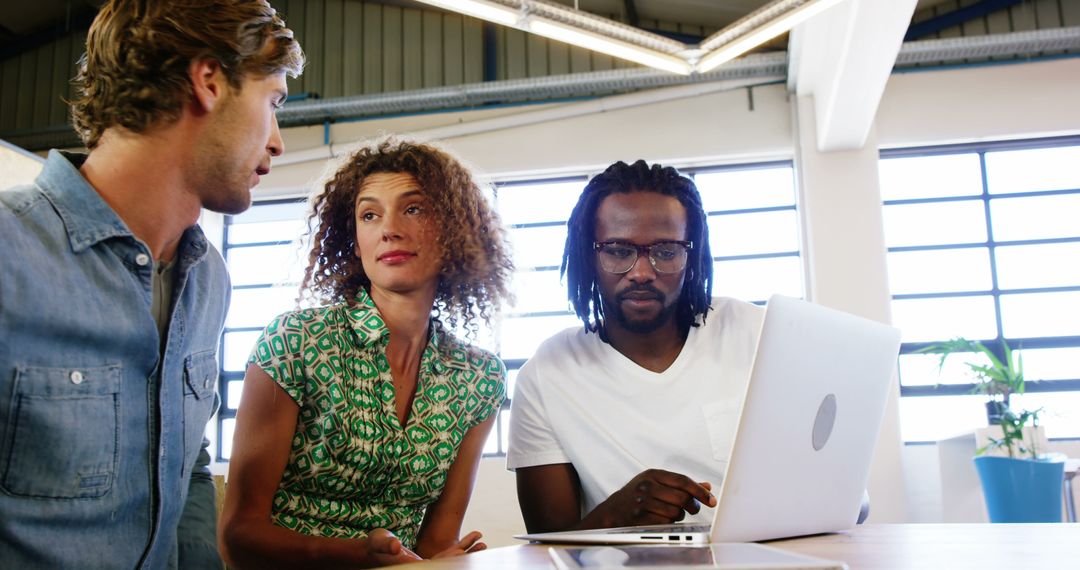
(823, 423)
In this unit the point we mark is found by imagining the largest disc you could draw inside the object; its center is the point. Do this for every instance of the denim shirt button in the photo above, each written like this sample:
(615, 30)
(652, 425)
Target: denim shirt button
(142, 259)
(76, 377)
(206, 383)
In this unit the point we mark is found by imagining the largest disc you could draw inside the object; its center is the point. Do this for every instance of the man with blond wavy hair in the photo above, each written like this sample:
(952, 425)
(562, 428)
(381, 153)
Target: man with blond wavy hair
(111, 298)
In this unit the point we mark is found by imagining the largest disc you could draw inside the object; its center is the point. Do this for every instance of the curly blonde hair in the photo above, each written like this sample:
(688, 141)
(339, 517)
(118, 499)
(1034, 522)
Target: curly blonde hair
(134, 73)
(476, 264)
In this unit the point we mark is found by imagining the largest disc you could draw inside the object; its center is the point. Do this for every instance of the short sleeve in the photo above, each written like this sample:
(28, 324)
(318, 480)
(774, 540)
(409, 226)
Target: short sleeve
(491, 388)
(532, 439)
(279, 353)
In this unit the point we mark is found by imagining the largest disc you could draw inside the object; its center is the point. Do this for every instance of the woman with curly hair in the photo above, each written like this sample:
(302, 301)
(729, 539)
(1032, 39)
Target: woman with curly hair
(363, 420)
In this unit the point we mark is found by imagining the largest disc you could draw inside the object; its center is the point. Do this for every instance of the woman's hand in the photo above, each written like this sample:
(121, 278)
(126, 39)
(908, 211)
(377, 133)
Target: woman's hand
(384, 549)
(467, 545)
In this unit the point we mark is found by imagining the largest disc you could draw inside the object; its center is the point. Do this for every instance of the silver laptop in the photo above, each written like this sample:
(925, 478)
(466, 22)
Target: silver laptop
(807, 429)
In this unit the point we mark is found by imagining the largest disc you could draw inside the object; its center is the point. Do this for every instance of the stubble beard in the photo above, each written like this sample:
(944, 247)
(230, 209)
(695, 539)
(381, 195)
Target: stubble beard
(221, 183)
(641, 326)
(230, 200)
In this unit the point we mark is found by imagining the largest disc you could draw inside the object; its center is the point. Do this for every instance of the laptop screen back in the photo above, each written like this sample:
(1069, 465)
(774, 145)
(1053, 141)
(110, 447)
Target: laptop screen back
(809, 423)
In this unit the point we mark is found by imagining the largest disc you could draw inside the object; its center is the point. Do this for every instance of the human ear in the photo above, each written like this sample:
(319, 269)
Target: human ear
(208, 83)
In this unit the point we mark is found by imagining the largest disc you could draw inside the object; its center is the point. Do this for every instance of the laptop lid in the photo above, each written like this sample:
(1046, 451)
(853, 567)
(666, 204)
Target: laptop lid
(807, 429)
(809, 423)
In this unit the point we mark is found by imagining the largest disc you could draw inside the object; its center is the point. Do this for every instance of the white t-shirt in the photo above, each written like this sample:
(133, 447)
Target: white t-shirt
(580, 401)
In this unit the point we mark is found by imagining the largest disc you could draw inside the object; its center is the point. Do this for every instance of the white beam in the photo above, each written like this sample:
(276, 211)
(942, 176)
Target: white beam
(843, 58)
(845, 259)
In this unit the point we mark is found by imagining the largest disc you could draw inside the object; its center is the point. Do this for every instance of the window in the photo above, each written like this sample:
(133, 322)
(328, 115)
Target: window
(753, 230)
(753, 235)
(983, 242)
(266, 263)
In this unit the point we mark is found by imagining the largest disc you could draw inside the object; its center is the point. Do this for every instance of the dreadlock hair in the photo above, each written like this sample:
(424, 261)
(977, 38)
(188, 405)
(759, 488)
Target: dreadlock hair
(579, 259)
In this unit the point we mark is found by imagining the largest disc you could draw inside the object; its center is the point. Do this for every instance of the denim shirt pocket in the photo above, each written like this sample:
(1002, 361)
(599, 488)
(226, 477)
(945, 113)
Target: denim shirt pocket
(63, 428)
(200, 384)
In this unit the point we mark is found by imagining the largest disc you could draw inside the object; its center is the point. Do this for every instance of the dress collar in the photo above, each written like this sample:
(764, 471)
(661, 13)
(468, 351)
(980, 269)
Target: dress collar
(370, 329)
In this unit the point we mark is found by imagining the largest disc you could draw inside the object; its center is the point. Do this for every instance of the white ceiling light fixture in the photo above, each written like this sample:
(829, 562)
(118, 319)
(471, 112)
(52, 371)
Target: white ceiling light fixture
(490, 11)
(582, 29)
(615, 48)
(574, 27)
(758, 27)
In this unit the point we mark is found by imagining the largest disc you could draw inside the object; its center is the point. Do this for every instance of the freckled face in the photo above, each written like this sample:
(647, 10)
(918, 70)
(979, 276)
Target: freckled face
(396, 239)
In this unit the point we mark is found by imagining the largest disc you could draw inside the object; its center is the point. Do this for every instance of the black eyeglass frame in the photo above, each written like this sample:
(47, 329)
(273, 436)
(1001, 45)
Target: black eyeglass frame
(647, 250)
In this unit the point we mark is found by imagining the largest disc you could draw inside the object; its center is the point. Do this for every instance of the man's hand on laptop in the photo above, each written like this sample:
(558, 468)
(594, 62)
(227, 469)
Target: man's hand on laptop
(652, 497)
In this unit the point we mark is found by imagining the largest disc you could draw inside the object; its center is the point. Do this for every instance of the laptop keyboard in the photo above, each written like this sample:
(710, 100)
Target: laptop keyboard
(675, 528)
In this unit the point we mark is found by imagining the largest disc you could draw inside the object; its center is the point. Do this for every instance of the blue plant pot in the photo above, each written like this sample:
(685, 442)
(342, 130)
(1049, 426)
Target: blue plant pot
(1021, 490)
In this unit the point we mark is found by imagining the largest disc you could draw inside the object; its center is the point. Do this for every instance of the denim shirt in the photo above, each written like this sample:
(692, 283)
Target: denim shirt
(102, 449)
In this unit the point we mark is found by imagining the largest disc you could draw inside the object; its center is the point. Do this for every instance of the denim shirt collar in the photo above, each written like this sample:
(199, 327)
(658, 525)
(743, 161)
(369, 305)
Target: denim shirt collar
(364, 318)
(87, 218)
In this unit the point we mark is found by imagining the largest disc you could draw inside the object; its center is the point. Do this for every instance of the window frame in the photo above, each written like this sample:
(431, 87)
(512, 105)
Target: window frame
(224, 412)
(991, 244)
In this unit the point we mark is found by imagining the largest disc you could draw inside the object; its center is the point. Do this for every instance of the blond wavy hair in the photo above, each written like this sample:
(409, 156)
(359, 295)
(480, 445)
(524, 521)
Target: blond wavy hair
(476, 264)
(134, 73)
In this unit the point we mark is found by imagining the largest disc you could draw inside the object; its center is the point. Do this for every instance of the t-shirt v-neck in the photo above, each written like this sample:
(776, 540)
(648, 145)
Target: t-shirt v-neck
(620, 361)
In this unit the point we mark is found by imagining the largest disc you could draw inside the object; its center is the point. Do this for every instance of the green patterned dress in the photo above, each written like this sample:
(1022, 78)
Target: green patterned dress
(352, 467)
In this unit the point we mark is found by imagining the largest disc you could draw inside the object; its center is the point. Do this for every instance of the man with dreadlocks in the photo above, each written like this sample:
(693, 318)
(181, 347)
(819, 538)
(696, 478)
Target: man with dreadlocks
(620, 422)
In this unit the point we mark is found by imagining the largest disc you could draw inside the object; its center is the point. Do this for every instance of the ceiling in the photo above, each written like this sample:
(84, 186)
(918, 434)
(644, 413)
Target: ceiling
(708, 13)
(25, 25)
(24, 22)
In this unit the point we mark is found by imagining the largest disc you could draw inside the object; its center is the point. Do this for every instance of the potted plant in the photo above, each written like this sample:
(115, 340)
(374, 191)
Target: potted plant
(998, 380)
(1025, 485)
(1019, 483)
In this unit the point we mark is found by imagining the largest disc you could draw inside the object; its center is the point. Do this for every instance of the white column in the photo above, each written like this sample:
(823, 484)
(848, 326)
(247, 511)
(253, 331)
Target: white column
(844, 254)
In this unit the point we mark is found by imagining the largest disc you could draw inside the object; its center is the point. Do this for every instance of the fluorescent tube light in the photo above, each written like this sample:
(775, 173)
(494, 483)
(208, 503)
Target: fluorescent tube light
(612, 47)
(489, 11)
(758, 36)
(531, 17)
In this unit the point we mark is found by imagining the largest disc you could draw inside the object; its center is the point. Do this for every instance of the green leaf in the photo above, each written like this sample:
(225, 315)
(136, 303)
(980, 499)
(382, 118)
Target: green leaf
(997, 365)
(999, 378)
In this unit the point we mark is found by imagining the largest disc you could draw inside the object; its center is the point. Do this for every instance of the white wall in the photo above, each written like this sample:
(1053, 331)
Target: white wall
(708, 129)
(933, 107)
(494, 509)
(17, 167)
(981, 103)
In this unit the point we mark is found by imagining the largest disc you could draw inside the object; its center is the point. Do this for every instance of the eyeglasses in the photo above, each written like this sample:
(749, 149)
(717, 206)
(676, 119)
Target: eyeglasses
(665, 256)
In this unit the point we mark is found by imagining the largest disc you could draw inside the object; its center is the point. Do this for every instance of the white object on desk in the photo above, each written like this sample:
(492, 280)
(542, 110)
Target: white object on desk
(961, 493)
(729, 555)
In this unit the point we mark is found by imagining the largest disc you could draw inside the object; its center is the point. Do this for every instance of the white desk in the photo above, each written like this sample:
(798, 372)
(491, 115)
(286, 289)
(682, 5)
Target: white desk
(873, 547)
